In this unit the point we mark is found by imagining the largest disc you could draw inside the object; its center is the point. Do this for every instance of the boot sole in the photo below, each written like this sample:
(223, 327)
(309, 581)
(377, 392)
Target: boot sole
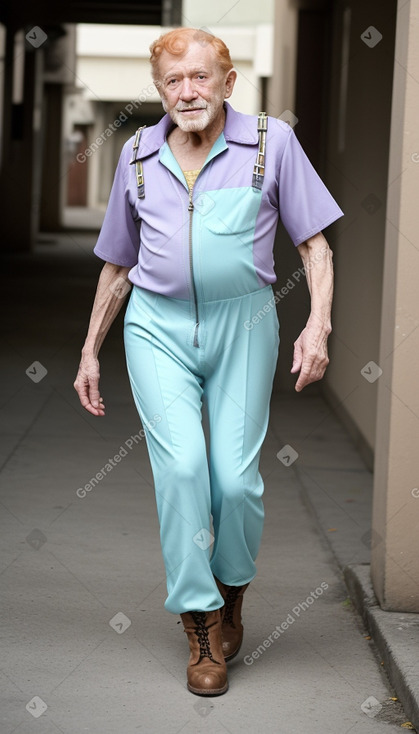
(209, 691)
(233, 654)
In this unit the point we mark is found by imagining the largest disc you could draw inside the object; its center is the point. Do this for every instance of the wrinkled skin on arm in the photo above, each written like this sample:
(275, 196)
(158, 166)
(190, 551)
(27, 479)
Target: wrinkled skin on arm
(310, 349)
(112, 289)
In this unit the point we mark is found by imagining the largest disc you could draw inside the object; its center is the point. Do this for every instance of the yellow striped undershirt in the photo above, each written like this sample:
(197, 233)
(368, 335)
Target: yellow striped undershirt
(191, 177)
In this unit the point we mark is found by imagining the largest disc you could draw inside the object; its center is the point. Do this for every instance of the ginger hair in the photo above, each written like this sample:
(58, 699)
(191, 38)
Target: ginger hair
(177, 41)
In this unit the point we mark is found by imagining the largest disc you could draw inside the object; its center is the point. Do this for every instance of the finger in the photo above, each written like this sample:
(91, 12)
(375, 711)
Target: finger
(301, 382)
(100, 410)
(94, 411)
(87, 405)
(83, 391)
(305, 376)
(310, 374)
(93, 391)
(297, 359)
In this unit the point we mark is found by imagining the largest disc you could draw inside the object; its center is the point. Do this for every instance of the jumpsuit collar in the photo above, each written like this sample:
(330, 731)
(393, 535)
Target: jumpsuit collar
(168, 159)
(238, 128)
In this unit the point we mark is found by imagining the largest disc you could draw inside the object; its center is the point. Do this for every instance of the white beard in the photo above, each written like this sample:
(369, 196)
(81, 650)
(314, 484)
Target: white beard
(205, 117)
(194, 125)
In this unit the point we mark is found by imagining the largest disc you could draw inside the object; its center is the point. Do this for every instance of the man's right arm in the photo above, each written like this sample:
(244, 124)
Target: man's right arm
(112, 288)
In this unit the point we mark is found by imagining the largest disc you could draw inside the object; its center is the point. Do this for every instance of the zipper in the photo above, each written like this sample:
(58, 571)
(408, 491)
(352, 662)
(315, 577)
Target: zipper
(191, 209)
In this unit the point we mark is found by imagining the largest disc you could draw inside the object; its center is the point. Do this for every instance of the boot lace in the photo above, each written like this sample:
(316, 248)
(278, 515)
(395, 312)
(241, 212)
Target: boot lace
(201, 631)
(230, 603)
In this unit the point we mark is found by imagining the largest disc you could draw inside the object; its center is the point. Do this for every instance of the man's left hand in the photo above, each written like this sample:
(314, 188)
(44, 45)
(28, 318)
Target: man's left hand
(310, 355)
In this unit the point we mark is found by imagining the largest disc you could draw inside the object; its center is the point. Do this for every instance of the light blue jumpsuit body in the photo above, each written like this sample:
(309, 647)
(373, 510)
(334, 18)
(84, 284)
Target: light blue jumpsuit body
(201, 331)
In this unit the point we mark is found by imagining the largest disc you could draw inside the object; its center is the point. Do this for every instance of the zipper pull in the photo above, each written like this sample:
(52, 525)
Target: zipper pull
(190, 207)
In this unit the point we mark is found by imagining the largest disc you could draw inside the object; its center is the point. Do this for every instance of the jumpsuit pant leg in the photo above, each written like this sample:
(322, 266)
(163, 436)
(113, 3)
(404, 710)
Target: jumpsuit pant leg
(238, 392)
(232, 370)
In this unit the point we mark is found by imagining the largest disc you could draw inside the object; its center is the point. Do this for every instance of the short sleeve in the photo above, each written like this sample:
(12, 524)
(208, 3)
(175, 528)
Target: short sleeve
(119, 238)
(305, 204)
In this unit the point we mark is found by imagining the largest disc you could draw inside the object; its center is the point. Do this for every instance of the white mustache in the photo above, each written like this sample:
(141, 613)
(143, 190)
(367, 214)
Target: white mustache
(182, 109)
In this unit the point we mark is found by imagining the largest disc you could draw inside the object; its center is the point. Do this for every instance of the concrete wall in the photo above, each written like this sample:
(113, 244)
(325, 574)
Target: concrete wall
(395, 538)
(218, 12)
(293, 309)
(2, 62)
(354, 166)
(281, 87)
(356, 170)
(112, 62)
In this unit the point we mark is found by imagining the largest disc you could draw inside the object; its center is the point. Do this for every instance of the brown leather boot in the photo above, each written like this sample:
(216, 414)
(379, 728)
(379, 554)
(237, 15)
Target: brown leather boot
(207, 671)
(232, 628)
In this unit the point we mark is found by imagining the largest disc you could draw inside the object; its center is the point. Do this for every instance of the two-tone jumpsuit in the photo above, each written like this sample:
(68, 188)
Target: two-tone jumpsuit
(201, 334)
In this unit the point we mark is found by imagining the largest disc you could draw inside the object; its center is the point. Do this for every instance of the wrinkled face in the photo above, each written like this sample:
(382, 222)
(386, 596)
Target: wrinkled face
(193, 87)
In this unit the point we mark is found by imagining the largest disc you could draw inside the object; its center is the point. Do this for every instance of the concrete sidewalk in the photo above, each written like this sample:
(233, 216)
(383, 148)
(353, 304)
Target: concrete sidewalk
(87, 644)
(337, 490)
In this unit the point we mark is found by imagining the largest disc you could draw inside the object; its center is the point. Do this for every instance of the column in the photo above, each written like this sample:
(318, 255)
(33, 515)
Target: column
(395, 528)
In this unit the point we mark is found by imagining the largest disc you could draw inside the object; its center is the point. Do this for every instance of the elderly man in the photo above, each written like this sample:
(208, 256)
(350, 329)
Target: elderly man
(191, 223)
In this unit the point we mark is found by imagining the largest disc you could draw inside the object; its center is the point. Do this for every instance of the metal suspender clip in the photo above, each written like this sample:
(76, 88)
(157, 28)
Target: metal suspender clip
(138, 163)
(259, 167)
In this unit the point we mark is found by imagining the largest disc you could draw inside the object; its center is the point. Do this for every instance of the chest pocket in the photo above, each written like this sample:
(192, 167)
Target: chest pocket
(234, 211)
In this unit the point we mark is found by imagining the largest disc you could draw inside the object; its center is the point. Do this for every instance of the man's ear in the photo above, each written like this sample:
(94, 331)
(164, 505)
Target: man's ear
(229, 83)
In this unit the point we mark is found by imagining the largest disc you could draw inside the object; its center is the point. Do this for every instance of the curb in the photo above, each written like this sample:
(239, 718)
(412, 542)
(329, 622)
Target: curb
(395, 634)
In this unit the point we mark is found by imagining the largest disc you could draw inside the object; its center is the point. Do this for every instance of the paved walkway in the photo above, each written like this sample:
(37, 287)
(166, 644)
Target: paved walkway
(87, 645)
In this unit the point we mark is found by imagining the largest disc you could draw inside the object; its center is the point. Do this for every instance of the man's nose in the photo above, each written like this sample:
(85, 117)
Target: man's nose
(187, 91)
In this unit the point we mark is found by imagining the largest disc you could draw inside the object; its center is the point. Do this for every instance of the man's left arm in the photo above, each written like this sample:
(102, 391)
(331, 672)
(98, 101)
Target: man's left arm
(310, 349)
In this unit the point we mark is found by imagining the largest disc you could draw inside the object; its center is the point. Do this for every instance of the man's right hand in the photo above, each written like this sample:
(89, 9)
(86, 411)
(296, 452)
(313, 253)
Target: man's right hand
(86, 385)
(107, 304)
